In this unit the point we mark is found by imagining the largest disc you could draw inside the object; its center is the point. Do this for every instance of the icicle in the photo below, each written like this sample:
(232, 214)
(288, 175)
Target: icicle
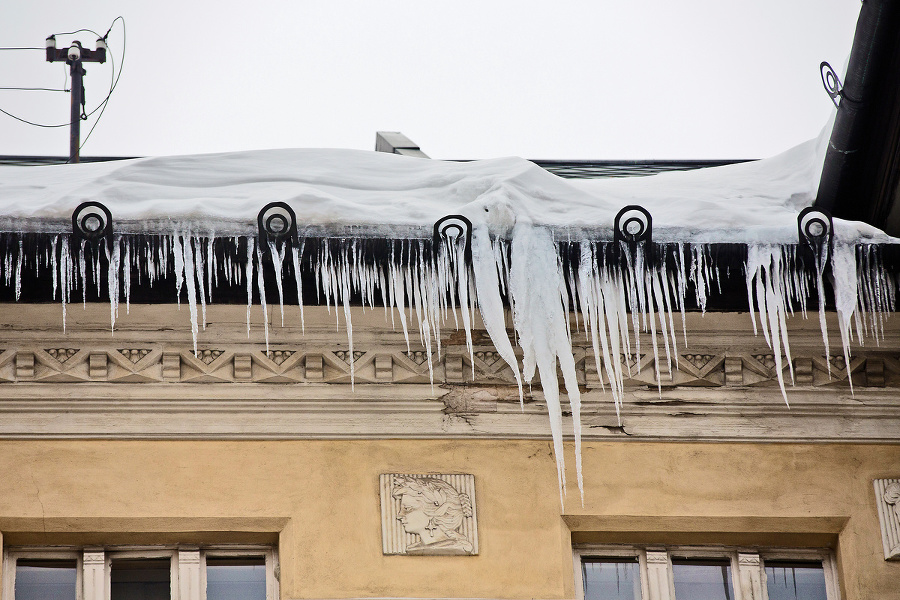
(398, 298)
(540, 323)
(699, 279)
(296, 254)
(593, 308)
(767, 279)
(490, 305)
(112, 282)
(196, 256)
(661, 302)
(65, 276)
(19, 260)
(461, 277)
(248, 277)
(54, 265)
(277, 261)
(341, 280)
(96, 255)
(179, 266)
(126, 276)
(843, 269)
(212, 275)
(420, 305)
(261, 284)
(187, 260)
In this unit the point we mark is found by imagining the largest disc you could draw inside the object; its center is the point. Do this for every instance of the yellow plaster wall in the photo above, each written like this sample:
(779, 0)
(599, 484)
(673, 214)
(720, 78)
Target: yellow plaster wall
(319, 499)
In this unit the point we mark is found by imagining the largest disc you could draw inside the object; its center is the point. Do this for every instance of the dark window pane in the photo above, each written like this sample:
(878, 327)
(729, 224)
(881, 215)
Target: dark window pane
(45, 579)
(235, 578)
(141, 579)
(795, 580)
(611, 579)
(702, 579)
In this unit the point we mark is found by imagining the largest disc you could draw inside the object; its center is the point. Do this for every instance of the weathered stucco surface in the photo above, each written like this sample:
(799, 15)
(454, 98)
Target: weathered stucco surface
(132, 439)
(319, 499)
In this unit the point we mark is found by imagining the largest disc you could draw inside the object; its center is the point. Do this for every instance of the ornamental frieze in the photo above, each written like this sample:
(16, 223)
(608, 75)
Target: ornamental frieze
(254, 364)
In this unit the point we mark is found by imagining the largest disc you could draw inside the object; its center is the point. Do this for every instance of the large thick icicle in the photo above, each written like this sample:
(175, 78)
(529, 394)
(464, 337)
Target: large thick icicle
(490, 303)
(540, 304)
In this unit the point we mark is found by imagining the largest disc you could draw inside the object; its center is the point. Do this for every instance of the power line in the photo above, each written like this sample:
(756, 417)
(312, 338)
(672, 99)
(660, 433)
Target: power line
(114, 81)
(27, 122)
(113, 84)
(82, 30)
(34, 89)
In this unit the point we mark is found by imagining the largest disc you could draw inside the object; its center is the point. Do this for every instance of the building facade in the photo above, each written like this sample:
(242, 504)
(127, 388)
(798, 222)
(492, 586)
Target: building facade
(126, 452)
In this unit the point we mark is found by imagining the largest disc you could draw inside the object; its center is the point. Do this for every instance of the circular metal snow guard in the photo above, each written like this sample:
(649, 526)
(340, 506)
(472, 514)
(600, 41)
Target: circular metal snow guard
(277, 221)
(832, 83)
(815, 226)
(92, 221)
(633, 224)
(454, 227)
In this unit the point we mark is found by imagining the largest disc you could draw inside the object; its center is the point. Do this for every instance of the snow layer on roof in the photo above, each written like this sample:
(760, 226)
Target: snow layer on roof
(745, 202)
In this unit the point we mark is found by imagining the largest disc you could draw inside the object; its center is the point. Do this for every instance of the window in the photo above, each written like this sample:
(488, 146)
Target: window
(703, 573)
(37, 579)
(140, 573)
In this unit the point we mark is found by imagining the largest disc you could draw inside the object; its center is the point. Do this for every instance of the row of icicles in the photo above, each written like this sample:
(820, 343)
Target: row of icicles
(614, 300)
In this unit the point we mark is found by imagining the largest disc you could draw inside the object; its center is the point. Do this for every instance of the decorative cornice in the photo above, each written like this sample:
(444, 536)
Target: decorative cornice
(722, 386)
(253, 363)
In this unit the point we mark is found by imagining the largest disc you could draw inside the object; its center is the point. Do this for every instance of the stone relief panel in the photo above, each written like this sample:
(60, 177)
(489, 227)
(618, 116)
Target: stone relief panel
(428, 514)
(887, 496)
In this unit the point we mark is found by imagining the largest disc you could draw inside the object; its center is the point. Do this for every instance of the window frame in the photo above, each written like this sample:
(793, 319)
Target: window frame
(184, 570)
(747, 565)
(12, 556)
(246, 552)
(826, 557)
(609, 552)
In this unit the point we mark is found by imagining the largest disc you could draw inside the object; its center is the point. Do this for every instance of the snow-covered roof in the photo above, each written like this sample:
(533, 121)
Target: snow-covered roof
(388, 194)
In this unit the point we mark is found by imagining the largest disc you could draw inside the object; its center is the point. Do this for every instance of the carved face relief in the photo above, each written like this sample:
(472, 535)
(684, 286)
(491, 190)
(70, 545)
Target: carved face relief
(434, 514)
(412, 516)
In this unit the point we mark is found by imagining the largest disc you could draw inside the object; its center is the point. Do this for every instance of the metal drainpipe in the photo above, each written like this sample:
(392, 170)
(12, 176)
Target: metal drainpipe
(876, 29)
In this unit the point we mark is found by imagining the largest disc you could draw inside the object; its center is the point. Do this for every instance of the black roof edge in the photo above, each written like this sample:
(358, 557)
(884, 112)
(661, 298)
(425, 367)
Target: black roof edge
(859, 174)
(36, 160)
(567, 168)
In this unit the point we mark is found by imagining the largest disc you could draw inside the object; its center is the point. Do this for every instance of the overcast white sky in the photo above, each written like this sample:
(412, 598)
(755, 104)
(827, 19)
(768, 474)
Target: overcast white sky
(596, 79)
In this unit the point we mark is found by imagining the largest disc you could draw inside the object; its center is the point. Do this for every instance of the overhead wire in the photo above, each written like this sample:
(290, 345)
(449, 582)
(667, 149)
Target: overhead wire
(34, 89)
(114, 80)
(27, 122)
(113, 83)
(86, 30)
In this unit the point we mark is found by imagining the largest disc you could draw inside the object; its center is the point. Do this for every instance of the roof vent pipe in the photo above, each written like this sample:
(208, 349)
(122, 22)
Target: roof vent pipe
(394, 142)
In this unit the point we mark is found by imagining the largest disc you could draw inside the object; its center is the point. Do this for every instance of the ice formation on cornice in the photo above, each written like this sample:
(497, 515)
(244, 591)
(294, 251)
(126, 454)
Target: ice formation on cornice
(540, 245)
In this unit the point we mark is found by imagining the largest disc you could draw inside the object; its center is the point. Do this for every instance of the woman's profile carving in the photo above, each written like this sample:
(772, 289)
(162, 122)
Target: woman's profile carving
(433, 510)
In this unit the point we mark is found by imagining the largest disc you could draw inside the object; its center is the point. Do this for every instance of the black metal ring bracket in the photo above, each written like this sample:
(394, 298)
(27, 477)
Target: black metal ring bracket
(832, 83)
(454, 227)
(633, 224)
(277, 223)
(92, 221)
(815, 226)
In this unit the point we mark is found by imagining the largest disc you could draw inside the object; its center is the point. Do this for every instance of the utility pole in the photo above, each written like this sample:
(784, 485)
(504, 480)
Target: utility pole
(74, 55)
